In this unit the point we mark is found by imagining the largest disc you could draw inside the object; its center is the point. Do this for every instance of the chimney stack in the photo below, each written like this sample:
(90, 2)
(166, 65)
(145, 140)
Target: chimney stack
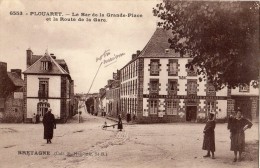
(133, 56)
(17, 72)
(29, 55)
(53, 56)
(3, 68)
(138, 52)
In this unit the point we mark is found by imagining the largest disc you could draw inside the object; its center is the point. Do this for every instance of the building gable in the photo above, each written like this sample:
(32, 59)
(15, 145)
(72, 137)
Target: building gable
(54, 67)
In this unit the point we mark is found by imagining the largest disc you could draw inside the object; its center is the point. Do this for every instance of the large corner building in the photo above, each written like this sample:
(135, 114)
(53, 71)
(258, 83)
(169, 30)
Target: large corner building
(155, 86)
(48, 84)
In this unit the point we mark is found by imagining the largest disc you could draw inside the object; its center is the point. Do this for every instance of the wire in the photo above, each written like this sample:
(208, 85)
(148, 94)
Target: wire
(94, 77)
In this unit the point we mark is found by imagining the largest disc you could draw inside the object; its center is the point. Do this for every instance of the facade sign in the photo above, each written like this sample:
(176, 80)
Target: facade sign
(182, 77)
(185, 97)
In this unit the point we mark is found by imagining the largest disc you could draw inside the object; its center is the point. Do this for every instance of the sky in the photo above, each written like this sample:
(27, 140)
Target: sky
(80, 43)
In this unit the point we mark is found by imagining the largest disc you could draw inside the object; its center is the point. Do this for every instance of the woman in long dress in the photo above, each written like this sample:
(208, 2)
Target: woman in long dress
(120, 123)
(237, 126)
(209, 136)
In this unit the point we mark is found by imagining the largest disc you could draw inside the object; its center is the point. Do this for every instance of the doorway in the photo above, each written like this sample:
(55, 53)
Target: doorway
(191, 113)
(245, 107)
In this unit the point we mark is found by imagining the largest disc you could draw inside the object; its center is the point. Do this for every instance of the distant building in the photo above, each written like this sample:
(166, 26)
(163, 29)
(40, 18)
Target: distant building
(92, 103)
(156, 86)
(102, 100)
(48, 84)
(11, 94)
(113, 96)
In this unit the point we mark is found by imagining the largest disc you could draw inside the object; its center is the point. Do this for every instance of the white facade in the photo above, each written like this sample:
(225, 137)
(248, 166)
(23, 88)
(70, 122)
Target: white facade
(54, 94)
(182, 78)
(33, 85)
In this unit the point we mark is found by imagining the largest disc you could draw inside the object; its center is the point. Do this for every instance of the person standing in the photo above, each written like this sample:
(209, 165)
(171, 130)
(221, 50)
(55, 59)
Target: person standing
(49, 124)
(237, 127)
(37, 118)
(209, 136)
(34, 118)
(120, 123)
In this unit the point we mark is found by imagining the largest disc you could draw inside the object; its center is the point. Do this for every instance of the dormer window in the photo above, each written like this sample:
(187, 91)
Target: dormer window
(46, 65)
(244, 88)
(167, 51)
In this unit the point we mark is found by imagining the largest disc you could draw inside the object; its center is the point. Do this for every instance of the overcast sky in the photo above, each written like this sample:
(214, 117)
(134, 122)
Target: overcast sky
(79, 43)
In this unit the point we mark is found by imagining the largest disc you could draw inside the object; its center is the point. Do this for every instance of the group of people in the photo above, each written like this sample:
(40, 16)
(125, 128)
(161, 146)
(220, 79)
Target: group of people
(36, 118)
(237, 126)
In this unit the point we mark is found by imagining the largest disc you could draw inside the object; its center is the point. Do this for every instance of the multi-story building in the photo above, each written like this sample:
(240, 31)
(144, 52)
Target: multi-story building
(102, 101)
(113, 96)
(48, 84)
(245, 98)
(156, 86)
(129, 78)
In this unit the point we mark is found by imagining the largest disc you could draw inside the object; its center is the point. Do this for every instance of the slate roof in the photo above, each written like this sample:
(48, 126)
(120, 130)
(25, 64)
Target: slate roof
(36, 67)
(16, 79)
(157, 45)
(35, 58)
(63, 64)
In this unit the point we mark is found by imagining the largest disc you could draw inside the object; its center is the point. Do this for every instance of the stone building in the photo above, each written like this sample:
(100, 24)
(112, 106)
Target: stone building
(113, 96)
(11, 94)
(156, 86)
(102, 101)
(48, 84)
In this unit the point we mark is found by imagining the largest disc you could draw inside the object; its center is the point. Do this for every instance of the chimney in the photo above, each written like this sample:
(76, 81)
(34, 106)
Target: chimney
(138, 52)
(29, 55)
(3, 68)
(133, 56)
(17, 72)
(53, 56)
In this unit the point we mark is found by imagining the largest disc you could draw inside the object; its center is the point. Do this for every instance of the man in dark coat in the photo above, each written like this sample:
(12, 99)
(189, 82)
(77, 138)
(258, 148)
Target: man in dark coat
(49, 124)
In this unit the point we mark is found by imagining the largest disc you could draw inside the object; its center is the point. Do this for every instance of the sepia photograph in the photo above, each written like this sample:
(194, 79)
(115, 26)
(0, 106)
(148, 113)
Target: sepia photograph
(129, 84)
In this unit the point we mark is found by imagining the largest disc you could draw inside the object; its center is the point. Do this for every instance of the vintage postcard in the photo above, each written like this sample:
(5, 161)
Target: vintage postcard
(118, 84)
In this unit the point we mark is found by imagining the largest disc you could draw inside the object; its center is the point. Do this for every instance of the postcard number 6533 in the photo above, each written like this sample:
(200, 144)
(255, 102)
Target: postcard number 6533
(16, 13)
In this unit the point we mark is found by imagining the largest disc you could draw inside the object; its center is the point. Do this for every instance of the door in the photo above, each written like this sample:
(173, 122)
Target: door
(191, 113)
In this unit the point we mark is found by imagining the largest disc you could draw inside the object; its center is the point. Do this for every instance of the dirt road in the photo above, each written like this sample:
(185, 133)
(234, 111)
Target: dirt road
(87, 145)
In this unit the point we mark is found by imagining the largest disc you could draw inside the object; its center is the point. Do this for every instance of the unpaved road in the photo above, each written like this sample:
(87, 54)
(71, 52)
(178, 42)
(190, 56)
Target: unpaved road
(86, 145)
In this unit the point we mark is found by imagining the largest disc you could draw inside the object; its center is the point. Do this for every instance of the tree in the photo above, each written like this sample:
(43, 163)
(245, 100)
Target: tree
(222, 37)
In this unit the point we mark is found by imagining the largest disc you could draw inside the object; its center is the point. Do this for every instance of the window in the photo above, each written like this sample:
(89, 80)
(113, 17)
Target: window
(244, 88)
(171, 107)
(192, 71)
(42, 108)
(154, 67)
(46, 65)
(154, 86)
(172, 87)
(43, 88)
(173, 67)
(153, 106)
(192, 87)
(211, 90)
(211, 106)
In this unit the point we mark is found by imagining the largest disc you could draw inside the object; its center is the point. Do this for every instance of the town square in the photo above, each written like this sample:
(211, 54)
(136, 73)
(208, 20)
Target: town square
(150, 83)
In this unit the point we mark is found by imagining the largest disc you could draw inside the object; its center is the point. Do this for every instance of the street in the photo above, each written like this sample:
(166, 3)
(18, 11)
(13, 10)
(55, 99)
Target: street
(87, 145)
